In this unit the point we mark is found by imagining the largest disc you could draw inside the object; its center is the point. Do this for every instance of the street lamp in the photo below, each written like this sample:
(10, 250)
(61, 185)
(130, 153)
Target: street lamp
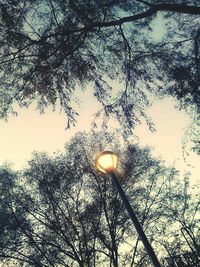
(106, 162)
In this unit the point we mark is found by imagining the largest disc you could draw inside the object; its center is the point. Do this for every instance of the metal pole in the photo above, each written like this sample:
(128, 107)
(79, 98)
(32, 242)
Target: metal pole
(136, 223)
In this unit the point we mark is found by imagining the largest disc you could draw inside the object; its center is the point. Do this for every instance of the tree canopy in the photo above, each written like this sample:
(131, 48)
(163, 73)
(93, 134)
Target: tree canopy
(59, 211)
(49, 48)
(63, 213)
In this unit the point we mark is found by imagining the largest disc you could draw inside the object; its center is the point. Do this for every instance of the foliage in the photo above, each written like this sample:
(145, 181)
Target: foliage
(12, 214)
(70, 215)
(192, 133)
(48, 48)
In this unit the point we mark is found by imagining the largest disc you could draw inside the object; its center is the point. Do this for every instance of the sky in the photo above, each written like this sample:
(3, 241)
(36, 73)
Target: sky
(31, 131)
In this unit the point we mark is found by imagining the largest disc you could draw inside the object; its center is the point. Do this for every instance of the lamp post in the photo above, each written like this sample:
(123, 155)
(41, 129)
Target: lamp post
(106, 162)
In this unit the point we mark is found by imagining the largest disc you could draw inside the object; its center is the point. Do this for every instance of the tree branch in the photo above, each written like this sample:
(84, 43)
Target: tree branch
(177, 8)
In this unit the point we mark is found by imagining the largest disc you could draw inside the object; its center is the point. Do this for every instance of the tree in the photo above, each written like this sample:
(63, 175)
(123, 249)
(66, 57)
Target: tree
(49, 47)
(181, 233)
(72, 215)
(11, 216)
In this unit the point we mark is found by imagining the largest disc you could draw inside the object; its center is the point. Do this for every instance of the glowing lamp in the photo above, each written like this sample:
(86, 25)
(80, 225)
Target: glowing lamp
(106, 162)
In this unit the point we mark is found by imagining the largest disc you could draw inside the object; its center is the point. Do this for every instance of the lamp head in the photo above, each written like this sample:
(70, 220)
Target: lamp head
(106, 162)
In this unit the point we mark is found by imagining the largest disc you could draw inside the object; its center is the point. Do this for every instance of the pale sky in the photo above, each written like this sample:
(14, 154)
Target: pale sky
(167, 142)
(31, 131)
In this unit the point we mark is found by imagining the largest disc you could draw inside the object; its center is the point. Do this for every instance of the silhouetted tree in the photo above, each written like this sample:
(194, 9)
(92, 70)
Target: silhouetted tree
(180, 236)
(49, 47)
(66, 213)
(12, 218)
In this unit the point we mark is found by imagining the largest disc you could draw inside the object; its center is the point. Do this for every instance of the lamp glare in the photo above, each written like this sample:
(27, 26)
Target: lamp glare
(106, 162)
